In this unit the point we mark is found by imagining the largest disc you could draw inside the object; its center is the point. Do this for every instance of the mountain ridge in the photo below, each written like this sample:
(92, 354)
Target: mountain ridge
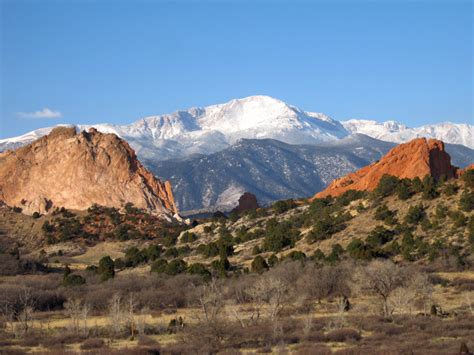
(206, 130)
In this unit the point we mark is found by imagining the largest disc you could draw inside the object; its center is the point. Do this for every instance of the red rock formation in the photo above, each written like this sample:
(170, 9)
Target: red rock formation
(75, 170)
(417, 158)
(247, 202)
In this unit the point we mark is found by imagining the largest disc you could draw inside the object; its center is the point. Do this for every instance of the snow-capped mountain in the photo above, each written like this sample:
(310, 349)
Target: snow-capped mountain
(213, 128)
(392, 131)
(272, 170)
(210, 129)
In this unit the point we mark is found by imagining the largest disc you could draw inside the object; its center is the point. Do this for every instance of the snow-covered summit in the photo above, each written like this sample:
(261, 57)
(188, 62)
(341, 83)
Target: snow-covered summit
(205, 130)
(392, 131)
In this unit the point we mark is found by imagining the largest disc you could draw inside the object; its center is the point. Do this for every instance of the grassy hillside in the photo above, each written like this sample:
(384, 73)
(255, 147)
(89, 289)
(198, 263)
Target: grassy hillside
(386, 271)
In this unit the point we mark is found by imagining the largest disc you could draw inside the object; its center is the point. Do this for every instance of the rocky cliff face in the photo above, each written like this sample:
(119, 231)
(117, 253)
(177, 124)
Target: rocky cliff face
(75, 170)
(417, 158)
(247, 202)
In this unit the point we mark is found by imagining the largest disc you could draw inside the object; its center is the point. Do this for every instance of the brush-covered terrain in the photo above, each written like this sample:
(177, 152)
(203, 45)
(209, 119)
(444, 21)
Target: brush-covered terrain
(390, 271)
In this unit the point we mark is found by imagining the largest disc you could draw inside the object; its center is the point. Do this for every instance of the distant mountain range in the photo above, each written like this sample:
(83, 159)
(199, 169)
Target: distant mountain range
(272, 170)
(210, 129)
(262, 145)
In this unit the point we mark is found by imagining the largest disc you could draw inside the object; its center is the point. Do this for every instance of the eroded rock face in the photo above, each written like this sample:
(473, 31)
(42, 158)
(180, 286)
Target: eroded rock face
(247, 202)
(417, 158)
(75, 170)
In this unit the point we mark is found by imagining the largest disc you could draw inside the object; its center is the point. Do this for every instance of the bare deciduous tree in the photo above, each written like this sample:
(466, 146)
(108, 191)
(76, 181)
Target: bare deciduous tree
(211, 300)
(73, 309)
(380, 278)
(27, 307)
(115, 314)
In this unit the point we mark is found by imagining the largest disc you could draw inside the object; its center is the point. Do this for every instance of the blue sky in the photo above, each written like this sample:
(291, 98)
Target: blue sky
(102, 61)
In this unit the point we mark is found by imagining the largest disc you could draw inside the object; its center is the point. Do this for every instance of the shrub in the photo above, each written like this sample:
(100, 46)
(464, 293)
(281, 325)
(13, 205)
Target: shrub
(379, 236)
(188, 237)
(283, 206)
(175, 267)
(382, 213)
(458, 218)
(415, 214)
(73, 280)
(466, 202)
(296, 255)
(429, 188)
(199, 269)
(279, 235)
(153, 252)
(357, 249)
(386, 185)
(159, 266)
(259, 264)
(273, 260)
(451, 189)
(350, 195)
(318, 255)
(468, 178)
(93, 343)
(404, 189)
(106, 268)
(342, 335)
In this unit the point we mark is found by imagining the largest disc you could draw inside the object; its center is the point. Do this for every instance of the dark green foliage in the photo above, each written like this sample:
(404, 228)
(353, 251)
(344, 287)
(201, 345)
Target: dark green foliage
(73, 280)
(279, 235)
(350, 195)
(199, 269)
(326, 226)
(283, 206)
(441, 211)
(176, 266)
(208, 250)
(318, 206)
(336, 252)
(296, 255)
(36, 215)
(415, 214)
(386, 185)
(417, 185)
(171, 253)
(468, 178)
(106, 268)
(272, 260)
(318, 255)
(379, 236)
(429, 188)
(153, 252)
(222, 265)
(169, 240)
(134, 257)
(466, 202)
(208, 229)
(382, 213)
(458, 218)
(188, 237)
(259, 264)
(256, 250)
(357, 249)
(404, 189)
(451, 189)
(159, 266)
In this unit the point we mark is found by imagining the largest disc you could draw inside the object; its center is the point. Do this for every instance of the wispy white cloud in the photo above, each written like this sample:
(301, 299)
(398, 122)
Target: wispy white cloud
(44, 113)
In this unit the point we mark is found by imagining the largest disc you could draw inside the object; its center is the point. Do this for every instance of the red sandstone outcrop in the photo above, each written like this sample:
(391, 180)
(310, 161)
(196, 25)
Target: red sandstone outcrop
(417, 158)
(75, 170)
(247, 202)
